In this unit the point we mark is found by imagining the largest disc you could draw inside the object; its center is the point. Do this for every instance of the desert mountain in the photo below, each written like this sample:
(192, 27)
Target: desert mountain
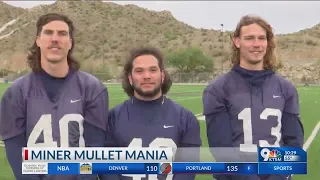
(105, 32)
(9, 13)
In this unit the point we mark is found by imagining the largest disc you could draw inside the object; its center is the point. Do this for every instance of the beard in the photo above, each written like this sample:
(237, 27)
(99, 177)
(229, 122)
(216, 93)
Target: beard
(147, 94)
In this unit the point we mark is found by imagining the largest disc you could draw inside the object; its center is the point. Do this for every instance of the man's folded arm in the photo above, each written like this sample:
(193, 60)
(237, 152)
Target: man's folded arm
(110, 141)
(189, 150)
(95, 123)
(219, 132)
(292, 127)
(12, 131)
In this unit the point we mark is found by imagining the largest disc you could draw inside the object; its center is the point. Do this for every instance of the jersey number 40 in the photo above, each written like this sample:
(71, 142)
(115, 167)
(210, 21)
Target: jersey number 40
(44, 125)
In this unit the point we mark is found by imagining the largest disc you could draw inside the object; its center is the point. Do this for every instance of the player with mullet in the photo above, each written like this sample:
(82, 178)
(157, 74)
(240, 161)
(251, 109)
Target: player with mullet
(56, 105)
(251, 105)
(148, 118)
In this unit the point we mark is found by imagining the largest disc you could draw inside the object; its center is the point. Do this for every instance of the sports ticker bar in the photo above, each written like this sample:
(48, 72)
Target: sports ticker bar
(165, 168)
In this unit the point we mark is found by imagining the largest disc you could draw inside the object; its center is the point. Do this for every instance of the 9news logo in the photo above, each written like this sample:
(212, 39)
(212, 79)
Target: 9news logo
(273, 155)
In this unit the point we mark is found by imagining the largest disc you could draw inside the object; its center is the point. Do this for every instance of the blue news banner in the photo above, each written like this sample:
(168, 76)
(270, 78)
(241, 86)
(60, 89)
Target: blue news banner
(270, 161)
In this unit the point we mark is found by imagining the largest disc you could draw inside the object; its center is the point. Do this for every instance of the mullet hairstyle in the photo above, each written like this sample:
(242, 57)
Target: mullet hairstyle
(127, 70)
(34, 53)
(269, 61)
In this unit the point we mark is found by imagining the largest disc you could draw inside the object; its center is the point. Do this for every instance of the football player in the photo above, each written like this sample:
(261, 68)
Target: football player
(148, 118)
(56, 105)
(251, 105)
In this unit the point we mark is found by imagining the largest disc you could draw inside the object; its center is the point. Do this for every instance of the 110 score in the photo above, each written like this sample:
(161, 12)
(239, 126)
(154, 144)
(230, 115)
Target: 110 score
(158, 168)
(151, 168)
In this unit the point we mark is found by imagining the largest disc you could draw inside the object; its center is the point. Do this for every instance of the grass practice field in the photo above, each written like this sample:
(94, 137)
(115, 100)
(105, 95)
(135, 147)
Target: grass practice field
(190, 96)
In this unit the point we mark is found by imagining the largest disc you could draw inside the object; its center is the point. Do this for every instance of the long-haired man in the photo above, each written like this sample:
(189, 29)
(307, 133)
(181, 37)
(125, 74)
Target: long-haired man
(251, 106)
(150, 119)
(56, 105)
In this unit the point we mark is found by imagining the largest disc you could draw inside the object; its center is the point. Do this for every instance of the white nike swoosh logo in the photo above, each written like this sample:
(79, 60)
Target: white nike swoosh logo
(73, 101)
(276, 96)
(164, 126)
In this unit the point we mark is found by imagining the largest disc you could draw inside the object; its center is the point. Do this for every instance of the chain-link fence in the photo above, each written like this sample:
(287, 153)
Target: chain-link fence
(8, 76)
(201, 77)
(192, 77)
(175, 77)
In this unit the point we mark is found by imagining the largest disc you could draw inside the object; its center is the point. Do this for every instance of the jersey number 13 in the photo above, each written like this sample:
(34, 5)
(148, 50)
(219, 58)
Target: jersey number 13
(245, 116)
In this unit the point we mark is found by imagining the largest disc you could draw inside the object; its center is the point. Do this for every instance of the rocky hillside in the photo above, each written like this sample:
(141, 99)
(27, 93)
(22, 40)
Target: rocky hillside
(105, 31)
(9, 13)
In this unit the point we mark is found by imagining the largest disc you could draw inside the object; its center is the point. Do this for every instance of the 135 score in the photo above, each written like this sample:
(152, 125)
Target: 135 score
(232, 168)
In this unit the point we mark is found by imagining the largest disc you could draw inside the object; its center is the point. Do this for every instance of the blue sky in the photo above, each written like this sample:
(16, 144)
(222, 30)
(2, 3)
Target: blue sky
(285, 17)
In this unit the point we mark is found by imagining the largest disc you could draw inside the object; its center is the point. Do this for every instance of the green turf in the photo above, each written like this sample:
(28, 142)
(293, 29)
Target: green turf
(190, 97)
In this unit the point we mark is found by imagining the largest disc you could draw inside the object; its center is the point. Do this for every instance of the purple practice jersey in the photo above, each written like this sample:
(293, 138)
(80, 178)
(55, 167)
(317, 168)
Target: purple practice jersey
(255, 112)
(26, 109)
(161, 122)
